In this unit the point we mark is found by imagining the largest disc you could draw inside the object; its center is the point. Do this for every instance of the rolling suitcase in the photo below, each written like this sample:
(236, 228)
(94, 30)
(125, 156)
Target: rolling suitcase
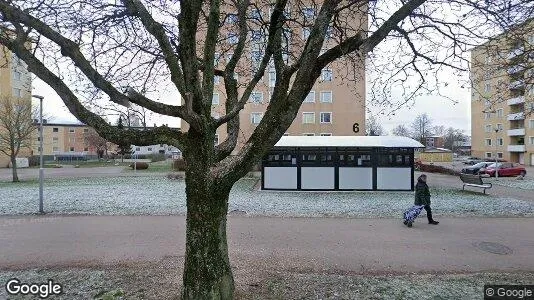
(411, 214)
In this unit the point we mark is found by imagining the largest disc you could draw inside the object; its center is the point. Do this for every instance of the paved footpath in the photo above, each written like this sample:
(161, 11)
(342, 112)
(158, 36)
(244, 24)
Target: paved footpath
(318, 244)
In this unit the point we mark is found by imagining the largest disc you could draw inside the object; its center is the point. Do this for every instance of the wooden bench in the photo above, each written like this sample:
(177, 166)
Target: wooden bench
(474, 180)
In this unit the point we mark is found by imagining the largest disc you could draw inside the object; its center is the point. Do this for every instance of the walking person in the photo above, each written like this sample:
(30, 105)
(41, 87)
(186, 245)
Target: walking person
(422, 197)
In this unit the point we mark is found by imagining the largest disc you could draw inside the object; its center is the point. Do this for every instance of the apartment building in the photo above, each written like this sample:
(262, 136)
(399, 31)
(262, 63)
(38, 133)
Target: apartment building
(75, 139)
(15, 83)
(335, 103)
(502, 100)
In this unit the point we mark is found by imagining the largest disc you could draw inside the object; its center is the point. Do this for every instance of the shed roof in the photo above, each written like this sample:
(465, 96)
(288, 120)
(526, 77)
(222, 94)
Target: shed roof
(349, 141)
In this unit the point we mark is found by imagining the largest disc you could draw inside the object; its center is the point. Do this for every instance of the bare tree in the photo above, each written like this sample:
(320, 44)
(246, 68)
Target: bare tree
(94, 141)
(421, 127)
(16, 129)
(401, 130)
(122, 51)
(373, 127)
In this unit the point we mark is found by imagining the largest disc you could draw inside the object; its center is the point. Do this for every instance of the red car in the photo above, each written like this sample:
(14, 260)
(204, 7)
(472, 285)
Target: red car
(506, 169)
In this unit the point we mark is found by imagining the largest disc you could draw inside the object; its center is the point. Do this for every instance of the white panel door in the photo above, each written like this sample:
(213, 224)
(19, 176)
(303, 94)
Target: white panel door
(280, 178)
(394, 178)
(355, 178)
(317, 178)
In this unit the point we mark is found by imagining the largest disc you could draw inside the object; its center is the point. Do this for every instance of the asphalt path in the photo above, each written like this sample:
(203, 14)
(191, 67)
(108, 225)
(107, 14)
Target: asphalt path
(309, 244)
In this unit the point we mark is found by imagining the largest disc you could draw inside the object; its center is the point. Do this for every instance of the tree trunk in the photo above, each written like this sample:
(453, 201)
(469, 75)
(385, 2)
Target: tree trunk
(207, 272)
(14, 168)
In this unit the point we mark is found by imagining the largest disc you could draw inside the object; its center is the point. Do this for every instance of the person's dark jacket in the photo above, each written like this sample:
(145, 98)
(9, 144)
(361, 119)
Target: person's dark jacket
(422, 193)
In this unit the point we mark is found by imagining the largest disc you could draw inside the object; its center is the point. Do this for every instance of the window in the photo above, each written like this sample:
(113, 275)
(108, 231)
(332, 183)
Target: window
(16, 75)
(86, 130)
(326, 75)
(329, 33)
(310, 98)
(72, 140)
(326, 97)
(54, 139)
(232, 38)
(488, 154)
(487, 87)
(488, 128)
(499, 127)
(55, 129)
(39, 149)
(309, 13)
(256, 36)
(215, 99)
(499, 154)
(326, 134)
(326, 117)
(286, 134)
(71, 130)
(500, 141)
(216, 79)
(71, 149)
(149, 149)
(229, 57)
(487, 116)
(216, 59)
(232, 18)
(255, 14)
(531, 123)
(255, 118)
(306, 33)
(137, 148)
(531, 139)
(488, 142)
(38, 139)
(55, 149)
(499, 113)
(308, 134)
(308, 117)
(215, 115)
(272, 78)
(256, 97)
(17, 92)
(394, 157)
(216, 139)
(86, 149)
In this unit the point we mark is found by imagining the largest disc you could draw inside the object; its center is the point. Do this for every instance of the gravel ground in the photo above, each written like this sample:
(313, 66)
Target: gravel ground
(162, 280)
(154, 195)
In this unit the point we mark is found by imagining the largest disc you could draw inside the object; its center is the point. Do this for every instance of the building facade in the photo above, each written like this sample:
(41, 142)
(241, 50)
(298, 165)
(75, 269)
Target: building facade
(335, 105)
(502, 100)
(15, 83)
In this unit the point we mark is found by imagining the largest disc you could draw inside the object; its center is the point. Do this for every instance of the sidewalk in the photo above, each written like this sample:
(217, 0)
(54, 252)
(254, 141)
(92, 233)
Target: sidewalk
(366, 246)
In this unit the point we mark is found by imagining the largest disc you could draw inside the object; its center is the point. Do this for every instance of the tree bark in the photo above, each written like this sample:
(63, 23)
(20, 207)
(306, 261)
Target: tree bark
(207, 272)
(14, 168)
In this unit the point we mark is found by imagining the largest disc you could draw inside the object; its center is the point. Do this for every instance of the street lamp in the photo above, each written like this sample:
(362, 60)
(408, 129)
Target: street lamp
(41, 170)
(496, 156)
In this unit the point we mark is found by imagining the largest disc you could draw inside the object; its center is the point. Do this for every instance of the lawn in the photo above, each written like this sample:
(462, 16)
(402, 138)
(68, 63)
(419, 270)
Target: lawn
(156, 195)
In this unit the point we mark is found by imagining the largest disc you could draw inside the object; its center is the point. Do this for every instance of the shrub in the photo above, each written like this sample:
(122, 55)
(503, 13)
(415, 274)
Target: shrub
(435, 169)
(157, 157)
(33, 161)
(179, 165)
(139, 165)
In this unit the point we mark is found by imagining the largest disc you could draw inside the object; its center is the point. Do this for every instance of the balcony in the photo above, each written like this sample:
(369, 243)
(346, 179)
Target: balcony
(516, 52)
(516, 69)
(516, 116)
(516, 100)
(516, 85)
(516, 148)
(516, 132)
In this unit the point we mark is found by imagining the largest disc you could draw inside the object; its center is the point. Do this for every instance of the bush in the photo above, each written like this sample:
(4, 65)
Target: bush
(179, 165)
(157, 157)
(139, 165)
(435, 169)
(33, 161)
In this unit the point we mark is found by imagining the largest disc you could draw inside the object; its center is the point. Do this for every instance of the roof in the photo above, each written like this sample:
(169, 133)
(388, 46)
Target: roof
(349, 141)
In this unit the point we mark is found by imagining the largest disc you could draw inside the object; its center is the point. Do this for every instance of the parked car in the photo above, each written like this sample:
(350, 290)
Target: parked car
(472, 160)
(505, 169)
(477, 168)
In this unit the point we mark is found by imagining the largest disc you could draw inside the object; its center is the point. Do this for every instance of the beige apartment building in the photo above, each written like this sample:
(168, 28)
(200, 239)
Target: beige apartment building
(15, 82)
(502, 102)
(64, 138)
(335, 103)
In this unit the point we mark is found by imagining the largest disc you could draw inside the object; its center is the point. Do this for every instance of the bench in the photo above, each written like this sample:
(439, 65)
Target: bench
(475, 181)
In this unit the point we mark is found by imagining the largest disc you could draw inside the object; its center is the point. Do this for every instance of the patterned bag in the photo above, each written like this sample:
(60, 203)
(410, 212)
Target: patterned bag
(411, 214)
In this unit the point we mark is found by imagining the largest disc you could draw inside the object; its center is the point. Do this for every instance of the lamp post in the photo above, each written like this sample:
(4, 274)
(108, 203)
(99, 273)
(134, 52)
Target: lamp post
(41, 170)
(496, 156)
